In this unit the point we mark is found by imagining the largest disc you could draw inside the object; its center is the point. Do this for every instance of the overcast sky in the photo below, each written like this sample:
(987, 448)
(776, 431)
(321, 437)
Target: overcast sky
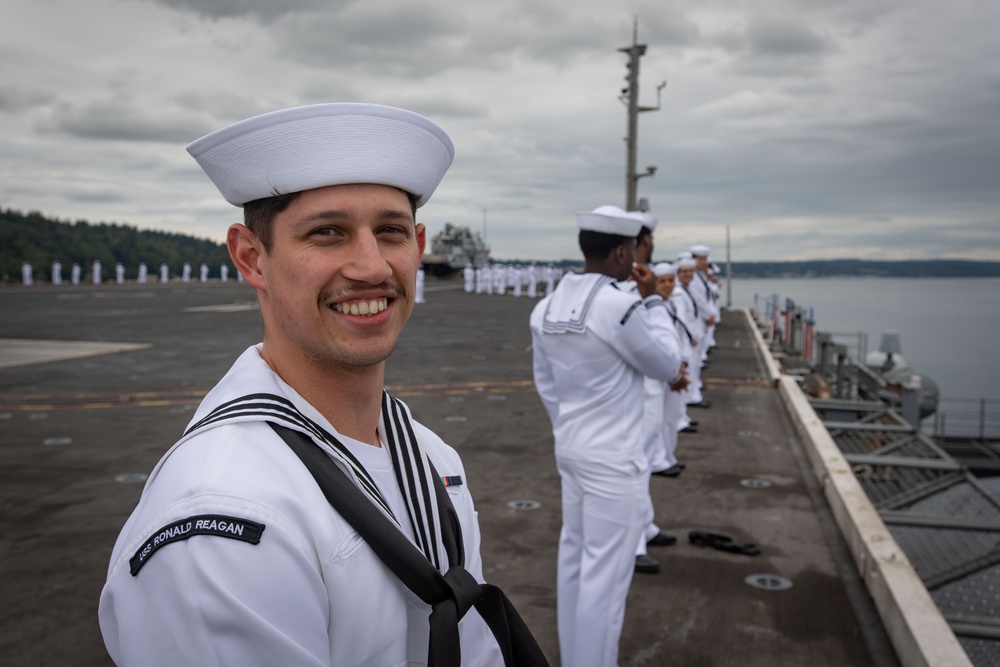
(812, 128)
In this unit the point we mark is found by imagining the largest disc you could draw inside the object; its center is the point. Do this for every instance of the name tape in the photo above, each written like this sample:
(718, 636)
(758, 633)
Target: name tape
(204, 524)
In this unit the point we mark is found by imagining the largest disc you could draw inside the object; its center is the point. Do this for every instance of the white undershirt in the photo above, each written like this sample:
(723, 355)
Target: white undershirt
(378, 463)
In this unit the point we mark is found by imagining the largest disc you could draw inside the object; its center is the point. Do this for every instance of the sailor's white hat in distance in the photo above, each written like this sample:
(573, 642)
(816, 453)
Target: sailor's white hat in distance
(700, 250)
(648, 219)
(664, 269)
(314, 146)
(609, 220)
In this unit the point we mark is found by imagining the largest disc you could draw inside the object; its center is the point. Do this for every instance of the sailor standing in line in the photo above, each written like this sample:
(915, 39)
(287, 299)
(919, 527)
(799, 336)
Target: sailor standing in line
(186, 273)
(469, 274)
(164, 272)
(695, 308)
(235, 555)
(203, 273)
(674, 400)
(533, 280)
(96, 272)
(143, 272)
(26, 277)
(57, 272)
(652, 417)
(119, 273)
(592, 344)
(419, 290)
(224, 272)
(550, 279)
(74, 274)
(709, 289)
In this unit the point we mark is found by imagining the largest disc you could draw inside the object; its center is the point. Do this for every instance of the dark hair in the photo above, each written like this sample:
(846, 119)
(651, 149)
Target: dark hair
(259, 214)
(598, 245)
(643, 233)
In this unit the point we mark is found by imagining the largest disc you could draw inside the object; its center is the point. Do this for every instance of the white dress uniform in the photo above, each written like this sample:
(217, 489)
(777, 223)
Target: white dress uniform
(74, 274)
(57, 273)
(143, 272)
(26, 274)
(310, 592)
(675, 402)
(592, 345)
(224, 272)
(469, 275)
(686, 310)
(418, 295)
(119, 273)
(96, 272)
(164, 273)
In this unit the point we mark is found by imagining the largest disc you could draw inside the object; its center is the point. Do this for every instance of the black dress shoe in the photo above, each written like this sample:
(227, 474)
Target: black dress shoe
(662, 540)
(672, 471)
(692, 422)
(646, 565)
(688, 429)
(704, 403)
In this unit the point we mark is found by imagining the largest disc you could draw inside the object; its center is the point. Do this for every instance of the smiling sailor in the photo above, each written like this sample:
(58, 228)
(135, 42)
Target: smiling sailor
(304, 517)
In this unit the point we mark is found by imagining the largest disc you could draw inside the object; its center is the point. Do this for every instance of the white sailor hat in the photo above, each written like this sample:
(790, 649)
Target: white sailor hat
(648, 220)
(609, 220)
(664, 269)
(700, 250)
(685, 263)
(684, 255)
(313, 146)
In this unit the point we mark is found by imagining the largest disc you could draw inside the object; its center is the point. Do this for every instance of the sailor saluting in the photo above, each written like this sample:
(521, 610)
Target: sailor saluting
(302, 518)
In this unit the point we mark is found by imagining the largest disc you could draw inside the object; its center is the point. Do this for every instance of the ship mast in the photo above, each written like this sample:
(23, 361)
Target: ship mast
(630, 97)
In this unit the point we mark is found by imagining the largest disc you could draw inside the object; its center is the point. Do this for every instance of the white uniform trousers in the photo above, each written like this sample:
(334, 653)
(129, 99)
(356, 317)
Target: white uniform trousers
(653, 418)
(674, 413)
(694, 370)
(601, 507)
(693, 394)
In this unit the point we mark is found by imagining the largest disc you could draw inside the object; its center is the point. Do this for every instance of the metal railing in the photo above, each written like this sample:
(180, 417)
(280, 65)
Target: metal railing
(965, 418)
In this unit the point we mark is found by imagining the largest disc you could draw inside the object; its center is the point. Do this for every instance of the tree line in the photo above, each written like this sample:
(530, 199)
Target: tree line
(31, 237)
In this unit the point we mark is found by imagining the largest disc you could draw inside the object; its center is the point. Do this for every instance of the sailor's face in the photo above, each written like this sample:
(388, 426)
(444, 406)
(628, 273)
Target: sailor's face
(665, 285)
(701, 263)
(339, 278)
(685, 275)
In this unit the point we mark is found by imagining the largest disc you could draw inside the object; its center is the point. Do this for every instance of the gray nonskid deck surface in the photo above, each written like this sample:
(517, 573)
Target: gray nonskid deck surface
(70, 428)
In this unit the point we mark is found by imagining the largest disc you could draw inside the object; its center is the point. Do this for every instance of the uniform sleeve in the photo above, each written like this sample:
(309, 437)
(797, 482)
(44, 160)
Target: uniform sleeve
(209, 600)
(646, 340)
(545, 382)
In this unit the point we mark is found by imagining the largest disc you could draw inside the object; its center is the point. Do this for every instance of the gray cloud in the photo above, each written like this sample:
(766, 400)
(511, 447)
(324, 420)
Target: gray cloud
(118, 120)
(15, 99)
(260, 9)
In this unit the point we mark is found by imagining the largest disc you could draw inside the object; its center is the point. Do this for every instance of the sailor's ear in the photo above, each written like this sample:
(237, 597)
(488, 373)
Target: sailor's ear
(421, 232)
(245, 249)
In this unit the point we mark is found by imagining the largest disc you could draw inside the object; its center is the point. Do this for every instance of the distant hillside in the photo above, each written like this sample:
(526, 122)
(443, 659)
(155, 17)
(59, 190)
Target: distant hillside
(39, 240)
(930, 268)
(911, 268)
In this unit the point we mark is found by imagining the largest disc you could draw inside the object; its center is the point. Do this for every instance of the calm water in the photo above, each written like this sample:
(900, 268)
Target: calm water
(949, 328)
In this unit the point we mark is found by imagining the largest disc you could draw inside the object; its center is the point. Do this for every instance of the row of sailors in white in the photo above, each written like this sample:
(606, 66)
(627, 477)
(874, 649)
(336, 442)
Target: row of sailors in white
(521, 279)
(142, 274)
(698, 307)
(594, 342)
